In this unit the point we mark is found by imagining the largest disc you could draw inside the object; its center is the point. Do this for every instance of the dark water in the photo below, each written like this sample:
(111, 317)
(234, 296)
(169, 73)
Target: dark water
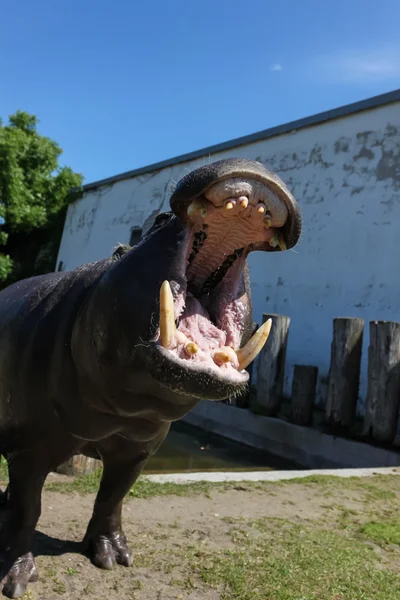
(187, 449)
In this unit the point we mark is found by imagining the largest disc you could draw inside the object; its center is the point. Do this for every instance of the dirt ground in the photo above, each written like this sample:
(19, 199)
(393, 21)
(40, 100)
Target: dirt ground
(165, 532)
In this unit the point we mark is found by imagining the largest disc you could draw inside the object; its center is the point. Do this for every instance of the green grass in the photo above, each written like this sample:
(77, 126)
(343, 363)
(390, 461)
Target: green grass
(89, 484)
(3, 468)
(351, 553)
(374, 488)
(287, 561)
(387, 532)
(276, 559)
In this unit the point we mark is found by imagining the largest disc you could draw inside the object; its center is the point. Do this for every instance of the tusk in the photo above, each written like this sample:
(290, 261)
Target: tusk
(281, 242)
(277, 240)
(167, 317)
(229, 204)
(261, 209)
(254, 346)
(244, 202)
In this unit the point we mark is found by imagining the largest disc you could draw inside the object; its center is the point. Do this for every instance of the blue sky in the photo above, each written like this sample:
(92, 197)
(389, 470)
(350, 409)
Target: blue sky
(122, 84)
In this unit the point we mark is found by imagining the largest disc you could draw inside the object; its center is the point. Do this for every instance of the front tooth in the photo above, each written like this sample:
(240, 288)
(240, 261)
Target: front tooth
(167, 317)
(229, 204)
(220, 357)
(254, 346)
(191, 348)
(195, 206)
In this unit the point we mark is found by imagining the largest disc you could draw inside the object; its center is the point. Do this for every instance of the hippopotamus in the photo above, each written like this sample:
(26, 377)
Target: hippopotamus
(100, 360)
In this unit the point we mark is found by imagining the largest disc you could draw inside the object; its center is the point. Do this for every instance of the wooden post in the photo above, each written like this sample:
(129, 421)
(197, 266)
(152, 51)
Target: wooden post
(303, 394)
(344, 374)
(79, 465)
(383, 397)
(271, 368)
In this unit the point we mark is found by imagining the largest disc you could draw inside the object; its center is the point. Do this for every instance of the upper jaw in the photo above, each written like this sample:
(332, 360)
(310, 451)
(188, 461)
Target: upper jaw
(198, 184)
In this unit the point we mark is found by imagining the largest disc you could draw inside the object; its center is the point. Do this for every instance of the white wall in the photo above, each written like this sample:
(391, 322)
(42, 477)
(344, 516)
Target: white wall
(345, 174)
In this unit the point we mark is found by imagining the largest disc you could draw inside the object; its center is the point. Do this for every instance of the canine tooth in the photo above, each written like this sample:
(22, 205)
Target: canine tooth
(221, 357)
(273, 241)
(191, 348)
(277, 240)
(254, 346)
(244, 202)
(167, 317)
(268, 220)
(229, 205)
(195, 206)
(281, 242)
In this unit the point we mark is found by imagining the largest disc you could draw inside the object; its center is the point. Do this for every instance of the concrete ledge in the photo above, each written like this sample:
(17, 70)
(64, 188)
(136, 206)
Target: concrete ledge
(183, 478)
(305, 446)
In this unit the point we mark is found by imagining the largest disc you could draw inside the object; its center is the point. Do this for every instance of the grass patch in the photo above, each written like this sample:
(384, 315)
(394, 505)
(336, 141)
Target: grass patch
(374, 488)
(292, 561)
(387, 532)
(3, 469)
(275, 559)
(89, 484)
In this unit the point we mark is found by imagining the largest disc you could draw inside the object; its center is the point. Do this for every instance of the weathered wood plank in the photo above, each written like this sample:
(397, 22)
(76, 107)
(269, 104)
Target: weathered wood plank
(79, 465)
(303, 394)
(383, 396)
(271, 367)
(344, 375)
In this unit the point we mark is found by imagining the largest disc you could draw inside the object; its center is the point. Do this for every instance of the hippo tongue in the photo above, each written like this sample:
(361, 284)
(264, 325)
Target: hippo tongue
(196, 324)
(199, 339)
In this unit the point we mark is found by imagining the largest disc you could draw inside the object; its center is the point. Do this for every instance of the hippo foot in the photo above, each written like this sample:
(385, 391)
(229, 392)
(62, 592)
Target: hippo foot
(106, 550)
(22, 572)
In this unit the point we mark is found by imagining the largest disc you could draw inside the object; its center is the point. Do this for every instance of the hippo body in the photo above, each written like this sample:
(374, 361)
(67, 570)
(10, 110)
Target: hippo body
(92, 362)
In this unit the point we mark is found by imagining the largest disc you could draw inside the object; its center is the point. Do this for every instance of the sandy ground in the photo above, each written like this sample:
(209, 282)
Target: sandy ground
(156, 528)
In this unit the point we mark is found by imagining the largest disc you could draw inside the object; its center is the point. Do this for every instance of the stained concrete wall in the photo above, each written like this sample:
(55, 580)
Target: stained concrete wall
(345, 173)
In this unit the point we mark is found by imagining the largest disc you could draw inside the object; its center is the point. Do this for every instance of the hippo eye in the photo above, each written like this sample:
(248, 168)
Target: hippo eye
(162, 219)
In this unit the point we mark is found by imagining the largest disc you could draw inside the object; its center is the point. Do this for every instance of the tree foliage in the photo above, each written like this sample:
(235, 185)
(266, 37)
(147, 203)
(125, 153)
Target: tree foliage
(33, 199)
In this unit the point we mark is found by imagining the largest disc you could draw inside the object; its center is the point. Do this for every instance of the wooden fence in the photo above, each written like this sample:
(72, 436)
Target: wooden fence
(380, 422)
(383, 397)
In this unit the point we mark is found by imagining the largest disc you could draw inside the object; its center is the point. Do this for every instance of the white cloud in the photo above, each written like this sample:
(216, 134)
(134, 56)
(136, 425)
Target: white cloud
(358, 66)
(276, 67)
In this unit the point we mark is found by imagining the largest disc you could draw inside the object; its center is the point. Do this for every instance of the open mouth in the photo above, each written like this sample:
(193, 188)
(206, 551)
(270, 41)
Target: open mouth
(202, 323)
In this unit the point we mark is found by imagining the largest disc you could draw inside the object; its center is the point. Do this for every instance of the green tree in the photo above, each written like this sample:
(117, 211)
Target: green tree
(33, 199)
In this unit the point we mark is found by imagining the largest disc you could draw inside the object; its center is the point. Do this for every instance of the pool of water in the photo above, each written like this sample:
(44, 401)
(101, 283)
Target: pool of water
(187, 449)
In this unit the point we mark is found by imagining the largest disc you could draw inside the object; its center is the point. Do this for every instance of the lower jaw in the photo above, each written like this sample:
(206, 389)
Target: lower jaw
(206, 383)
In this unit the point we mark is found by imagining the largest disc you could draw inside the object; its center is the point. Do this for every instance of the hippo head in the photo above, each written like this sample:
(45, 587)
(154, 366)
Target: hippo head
(187, 279)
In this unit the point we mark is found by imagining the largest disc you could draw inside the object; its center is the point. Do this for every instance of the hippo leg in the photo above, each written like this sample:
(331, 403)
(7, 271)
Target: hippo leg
(4, 497)
(105, 538)
(27, 475)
